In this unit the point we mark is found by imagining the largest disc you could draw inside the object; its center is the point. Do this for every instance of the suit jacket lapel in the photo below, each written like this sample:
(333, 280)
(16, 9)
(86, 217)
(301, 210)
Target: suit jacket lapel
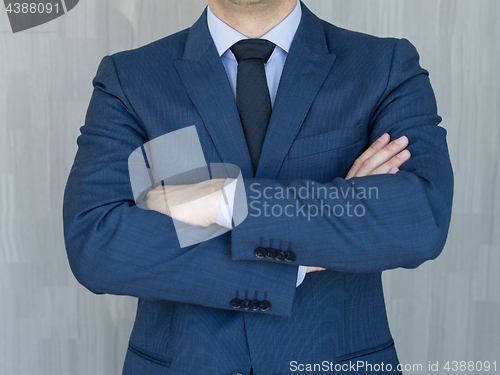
(204, 77)
(206, 82)
(306, 68)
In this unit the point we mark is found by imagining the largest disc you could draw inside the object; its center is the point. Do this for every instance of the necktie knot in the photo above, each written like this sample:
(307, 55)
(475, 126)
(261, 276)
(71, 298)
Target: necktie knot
(253, 49)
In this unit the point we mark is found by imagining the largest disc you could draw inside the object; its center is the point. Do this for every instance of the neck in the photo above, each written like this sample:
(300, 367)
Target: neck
(252, 18)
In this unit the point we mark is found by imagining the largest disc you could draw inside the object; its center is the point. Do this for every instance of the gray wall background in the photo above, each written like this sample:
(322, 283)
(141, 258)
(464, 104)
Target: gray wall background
(446, 310)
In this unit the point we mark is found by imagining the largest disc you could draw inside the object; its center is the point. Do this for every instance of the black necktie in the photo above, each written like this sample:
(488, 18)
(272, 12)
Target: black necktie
(252, 94)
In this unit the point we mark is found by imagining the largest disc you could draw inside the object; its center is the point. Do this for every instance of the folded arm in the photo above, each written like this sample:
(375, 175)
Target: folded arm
(402, 219)
(115, 247)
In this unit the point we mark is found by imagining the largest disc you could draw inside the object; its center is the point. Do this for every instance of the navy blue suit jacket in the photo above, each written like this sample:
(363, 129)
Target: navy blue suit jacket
(339, 92)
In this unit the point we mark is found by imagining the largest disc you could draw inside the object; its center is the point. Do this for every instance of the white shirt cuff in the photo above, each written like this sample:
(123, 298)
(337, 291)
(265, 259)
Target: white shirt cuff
(301, 275)
(225, 215)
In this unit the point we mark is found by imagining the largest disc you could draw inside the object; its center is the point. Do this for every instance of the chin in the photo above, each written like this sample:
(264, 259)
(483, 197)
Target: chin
(252, 2)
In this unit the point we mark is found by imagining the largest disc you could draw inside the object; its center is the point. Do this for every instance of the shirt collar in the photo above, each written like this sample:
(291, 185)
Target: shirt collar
(224, 36)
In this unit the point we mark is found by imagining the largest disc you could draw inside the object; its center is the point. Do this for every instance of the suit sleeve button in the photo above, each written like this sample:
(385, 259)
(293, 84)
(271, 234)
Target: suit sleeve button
(245, 304)
(260, 252)
(280, 255)
(270, 253)
(235, 303)
(289, 256)
(264, 305)
(254, 305)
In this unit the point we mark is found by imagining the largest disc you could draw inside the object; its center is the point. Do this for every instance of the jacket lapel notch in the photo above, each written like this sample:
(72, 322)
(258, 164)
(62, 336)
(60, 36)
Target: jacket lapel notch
(306, 68)
(205, 80)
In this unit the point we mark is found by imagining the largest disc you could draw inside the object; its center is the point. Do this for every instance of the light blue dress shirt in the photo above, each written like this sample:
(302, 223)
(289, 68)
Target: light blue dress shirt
(224, 36)
(282, 35)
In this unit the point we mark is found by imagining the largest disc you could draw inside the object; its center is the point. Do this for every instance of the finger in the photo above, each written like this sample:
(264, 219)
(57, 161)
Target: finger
(394, 170)
(165, 200)
(382, 156)
(376, 146)
(315, 269)
(394, 162)
(155, 201)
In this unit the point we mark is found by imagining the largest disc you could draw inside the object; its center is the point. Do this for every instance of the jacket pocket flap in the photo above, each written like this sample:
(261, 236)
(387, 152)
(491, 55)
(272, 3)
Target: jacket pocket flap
(367, 351)
(332, 140)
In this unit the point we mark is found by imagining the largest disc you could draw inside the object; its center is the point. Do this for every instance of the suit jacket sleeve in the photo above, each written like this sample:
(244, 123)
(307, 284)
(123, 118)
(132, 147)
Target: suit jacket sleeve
(403, 225)
(115, 247)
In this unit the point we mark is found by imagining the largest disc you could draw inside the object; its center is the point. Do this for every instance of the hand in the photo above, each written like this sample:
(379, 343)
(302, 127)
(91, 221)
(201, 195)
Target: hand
(196, 204)
(314, 269)
(381, 157)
